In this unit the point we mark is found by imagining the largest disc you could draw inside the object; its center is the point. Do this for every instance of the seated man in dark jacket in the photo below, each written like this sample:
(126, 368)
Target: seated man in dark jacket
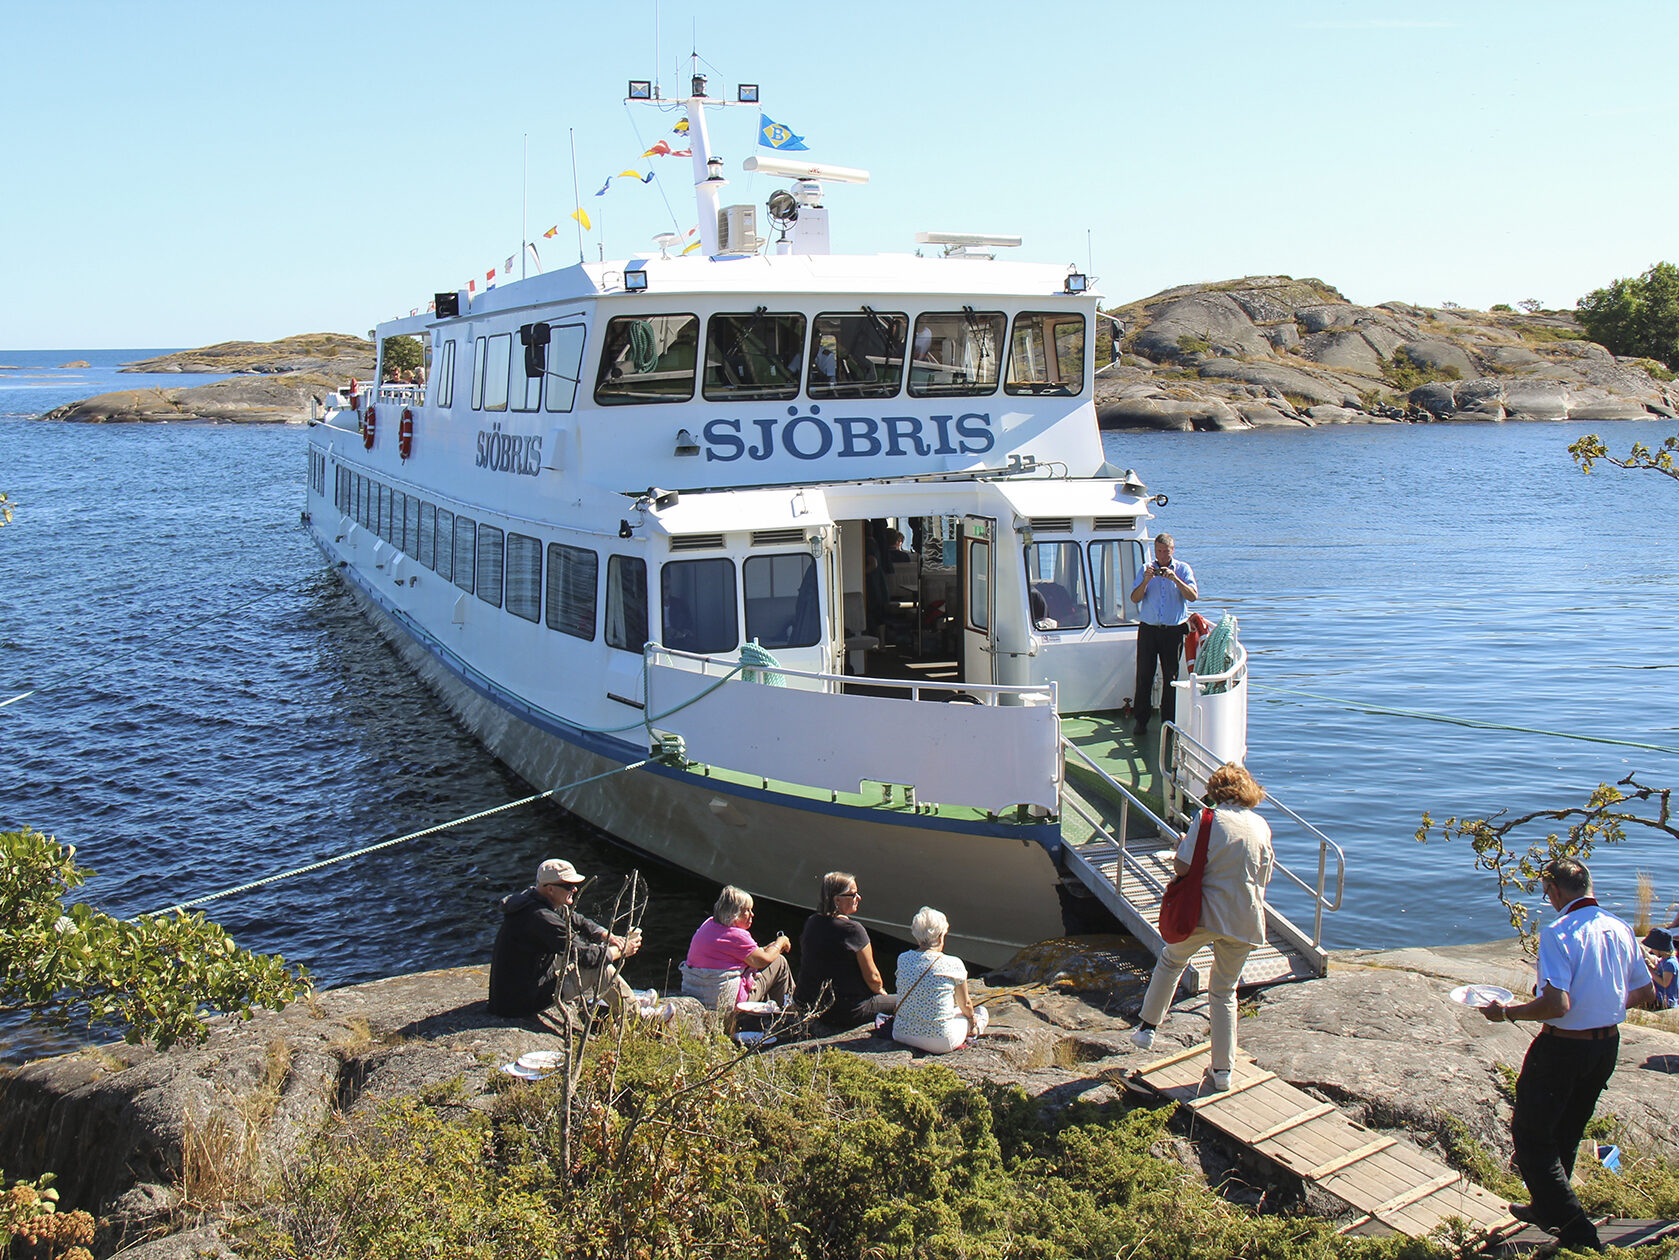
(539, 925)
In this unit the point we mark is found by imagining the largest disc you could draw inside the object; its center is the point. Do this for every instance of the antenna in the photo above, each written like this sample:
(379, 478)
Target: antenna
(576, 197)
(524, 204)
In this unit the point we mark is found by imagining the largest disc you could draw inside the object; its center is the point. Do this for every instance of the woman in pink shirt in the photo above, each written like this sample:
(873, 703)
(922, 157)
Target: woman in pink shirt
(724, 961)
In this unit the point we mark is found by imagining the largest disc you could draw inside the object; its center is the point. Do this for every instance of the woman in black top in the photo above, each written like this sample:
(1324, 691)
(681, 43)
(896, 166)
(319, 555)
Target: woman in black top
(838, 980)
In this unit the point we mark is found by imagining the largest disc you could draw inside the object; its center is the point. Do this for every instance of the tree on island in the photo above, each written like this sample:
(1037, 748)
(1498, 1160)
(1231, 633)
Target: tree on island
(1638, 317)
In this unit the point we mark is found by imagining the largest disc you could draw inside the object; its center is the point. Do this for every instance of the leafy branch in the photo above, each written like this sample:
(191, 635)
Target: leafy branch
(156, 975)
(1591, 449)
(1603, 819)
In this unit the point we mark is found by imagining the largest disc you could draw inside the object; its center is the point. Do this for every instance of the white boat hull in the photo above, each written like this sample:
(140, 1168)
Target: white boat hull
(996, 882)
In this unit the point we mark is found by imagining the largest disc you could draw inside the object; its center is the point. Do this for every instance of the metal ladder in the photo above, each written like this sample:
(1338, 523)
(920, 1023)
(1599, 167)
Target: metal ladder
(1121, 850)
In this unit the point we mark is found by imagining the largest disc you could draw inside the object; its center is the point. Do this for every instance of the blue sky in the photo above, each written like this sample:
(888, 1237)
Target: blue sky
(180, 173)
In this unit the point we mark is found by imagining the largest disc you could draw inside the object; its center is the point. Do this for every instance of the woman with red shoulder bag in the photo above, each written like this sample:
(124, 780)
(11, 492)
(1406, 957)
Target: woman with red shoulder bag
(1237, 868)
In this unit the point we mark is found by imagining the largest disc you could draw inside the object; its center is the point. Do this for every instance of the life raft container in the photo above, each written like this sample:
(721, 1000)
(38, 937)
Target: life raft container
(405, 434)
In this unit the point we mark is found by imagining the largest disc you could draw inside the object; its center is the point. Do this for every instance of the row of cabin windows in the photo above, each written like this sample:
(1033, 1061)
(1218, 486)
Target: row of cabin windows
(760, 356)
(505, 569)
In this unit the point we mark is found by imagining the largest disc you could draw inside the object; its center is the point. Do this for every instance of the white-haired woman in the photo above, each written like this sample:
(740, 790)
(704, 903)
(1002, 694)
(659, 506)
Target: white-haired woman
(935, 1013)
(725, 961)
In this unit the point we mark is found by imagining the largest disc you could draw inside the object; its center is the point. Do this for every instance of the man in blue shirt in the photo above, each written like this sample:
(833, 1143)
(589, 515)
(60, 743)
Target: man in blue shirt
(1163, 594)
(1590, 971)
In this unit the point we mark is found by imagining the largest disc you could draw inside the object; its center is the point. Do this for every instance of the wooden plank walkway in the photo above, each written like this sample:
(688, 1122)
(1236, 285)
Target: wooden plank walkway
(1394, 1186)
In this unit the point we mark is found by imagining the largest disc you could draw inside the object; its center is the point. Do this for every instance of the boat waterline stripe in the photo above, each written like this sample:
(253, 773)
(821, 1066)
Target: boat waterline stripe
(1449, 720)
(181, 906)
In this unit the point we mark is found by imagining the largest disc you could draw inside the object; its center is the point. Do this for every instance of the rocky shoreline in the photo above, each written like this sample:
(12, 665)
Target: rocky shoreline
(275, 382)
(1272, 351)
(1377, 1036)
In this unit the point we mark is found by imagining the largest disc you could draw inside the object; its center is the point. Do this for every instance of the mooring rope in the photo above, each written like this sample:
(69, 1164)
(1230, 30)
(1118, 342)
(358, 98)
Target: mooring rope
(1365, 707)
(181, 906)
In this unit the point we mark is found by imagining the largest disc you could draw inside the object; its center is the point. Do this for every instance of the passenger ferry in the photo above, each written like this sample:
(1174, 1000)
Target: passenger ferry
(650, 510)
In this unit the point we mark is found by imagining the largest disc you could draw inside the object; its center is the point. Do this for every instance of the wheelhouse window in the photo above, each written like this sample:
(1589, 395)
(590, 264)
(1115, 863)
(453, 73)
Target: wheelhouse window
(466, 536)
(648, 359)
(626, 603)
(478, 374)
(565, 366)
(443, 377)
(524, 576)
(698, 601)
(857, 355)
(956, 354)
(1114, 565)
(445, 554)
(753, 356)
(780, 591)
(573, 573)
(492, 370)
(1046, 354)
(1055, 586)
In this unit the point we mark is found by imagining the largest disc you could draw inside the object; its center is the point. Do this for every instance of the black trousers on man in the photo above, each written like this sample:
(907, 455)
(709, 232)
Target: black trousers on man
(1555, 1095)
(1157, 646)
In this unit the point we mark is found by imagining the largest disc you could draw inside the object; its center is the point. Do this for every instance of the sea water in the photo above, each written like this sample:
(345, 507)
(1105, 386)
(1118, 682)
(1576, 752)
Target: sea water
(211, 709)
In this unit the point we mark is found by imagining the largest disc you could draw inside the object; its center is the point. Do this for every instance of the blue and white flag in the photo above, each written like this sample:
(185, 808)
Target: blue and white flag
(773, 135)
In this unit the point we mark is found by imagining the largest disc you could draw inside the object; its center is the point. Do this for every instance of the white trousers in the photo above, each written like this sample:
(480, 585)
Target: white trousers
(957, 1033)
(1228, 956)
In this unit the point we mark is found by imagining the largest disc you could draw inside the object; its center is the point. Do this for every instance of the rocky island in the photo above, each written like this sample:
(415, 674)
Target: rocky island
(275, 382)
(1272, 350)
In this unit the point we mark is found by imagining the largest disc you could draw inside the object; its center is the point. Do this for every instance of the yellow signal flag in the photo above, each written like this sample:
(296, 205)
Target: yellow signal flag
(582, 216)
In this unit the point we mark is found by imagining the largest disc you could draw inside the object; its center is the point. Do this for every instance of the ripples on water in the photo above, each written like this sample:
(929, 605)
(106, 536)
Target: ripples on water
(239, 717)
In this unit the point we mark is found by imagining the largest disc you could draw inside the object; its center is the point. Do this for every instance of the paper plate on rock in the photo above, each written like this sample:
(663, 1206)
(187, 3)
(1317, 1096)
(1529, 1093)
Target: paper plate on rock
(540, 1060)
(757, 1008)
(1480, 994)
(522, 1073)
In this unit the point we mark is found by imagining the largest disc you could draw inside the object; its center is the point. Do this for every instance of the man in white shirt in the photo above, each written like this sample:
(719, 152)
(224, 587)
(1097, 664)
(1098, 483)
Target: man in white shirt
(1590, 971)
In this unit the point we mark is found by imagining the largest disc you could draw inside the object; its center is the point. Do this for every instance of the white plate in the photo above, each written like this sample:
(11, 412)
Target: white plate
(757, 1008)
(523, 1073)
(541, 1060)
(754, 1039)
(1480, 994)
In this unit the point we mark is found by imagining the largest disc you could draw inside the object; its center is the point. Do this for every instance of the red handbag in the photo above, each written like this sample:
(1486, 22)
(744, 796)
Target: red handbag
(1180, 904)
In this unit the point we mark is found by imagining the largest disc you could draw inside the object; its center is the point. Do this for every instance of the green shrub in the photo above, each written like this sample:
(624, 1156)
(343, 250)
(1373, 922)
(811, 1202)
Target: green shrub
(1405, 373)
(679, 1148)
(1190, 344)
(1504, 307)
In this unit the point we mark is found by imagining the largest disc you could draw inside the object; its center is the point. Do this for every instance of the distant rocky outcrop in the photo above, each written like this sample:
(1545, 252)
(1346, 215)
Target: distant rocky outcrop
(76, 363)
(277, 382)
(1272, 350)
(331, 353)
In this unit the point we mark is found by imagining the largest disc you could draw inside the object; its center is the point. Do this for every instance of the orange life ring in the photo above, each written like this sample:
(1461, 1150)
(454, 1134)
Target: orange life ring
(405, 434)
(367, 426)
(1199, 628)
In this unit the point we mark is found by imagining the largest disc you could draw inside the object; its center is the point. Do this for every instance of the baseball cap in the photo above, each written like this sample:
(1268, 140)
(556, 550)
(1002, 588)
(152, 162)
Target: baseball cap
(557, 871)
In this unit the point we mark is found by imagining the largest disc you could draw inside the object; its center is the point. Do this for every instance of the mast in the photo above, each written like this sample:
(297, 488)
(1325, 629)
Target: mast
(708, 171)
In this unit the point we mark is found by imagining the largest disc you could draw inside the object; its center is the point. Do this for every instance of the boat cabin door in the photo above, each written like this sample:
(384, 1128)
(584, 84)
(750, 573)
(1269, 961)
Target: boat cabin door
(978, 575)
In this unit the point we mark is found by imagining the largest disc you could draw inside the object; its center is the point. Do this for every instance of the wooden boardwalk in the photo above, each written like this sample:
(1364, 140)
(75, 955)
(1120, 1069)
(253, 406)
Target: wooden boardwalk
(1395, 1187)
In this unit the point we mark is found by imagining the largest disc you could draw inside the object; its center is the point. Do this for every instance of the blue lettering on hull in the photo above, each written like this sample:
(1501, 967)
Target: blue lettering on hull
(812, 436)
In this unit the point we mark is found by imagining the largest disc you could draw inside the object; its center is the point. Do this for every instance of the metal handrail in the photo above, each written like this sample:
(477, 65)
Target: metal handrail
(1319, 902)
(1127, 799)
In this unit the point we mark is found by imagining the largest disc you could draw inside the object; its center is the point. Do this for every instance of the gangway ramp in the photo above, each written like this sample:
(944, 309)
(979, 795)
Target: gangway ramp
(1392, 1185)
(1118, 847)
